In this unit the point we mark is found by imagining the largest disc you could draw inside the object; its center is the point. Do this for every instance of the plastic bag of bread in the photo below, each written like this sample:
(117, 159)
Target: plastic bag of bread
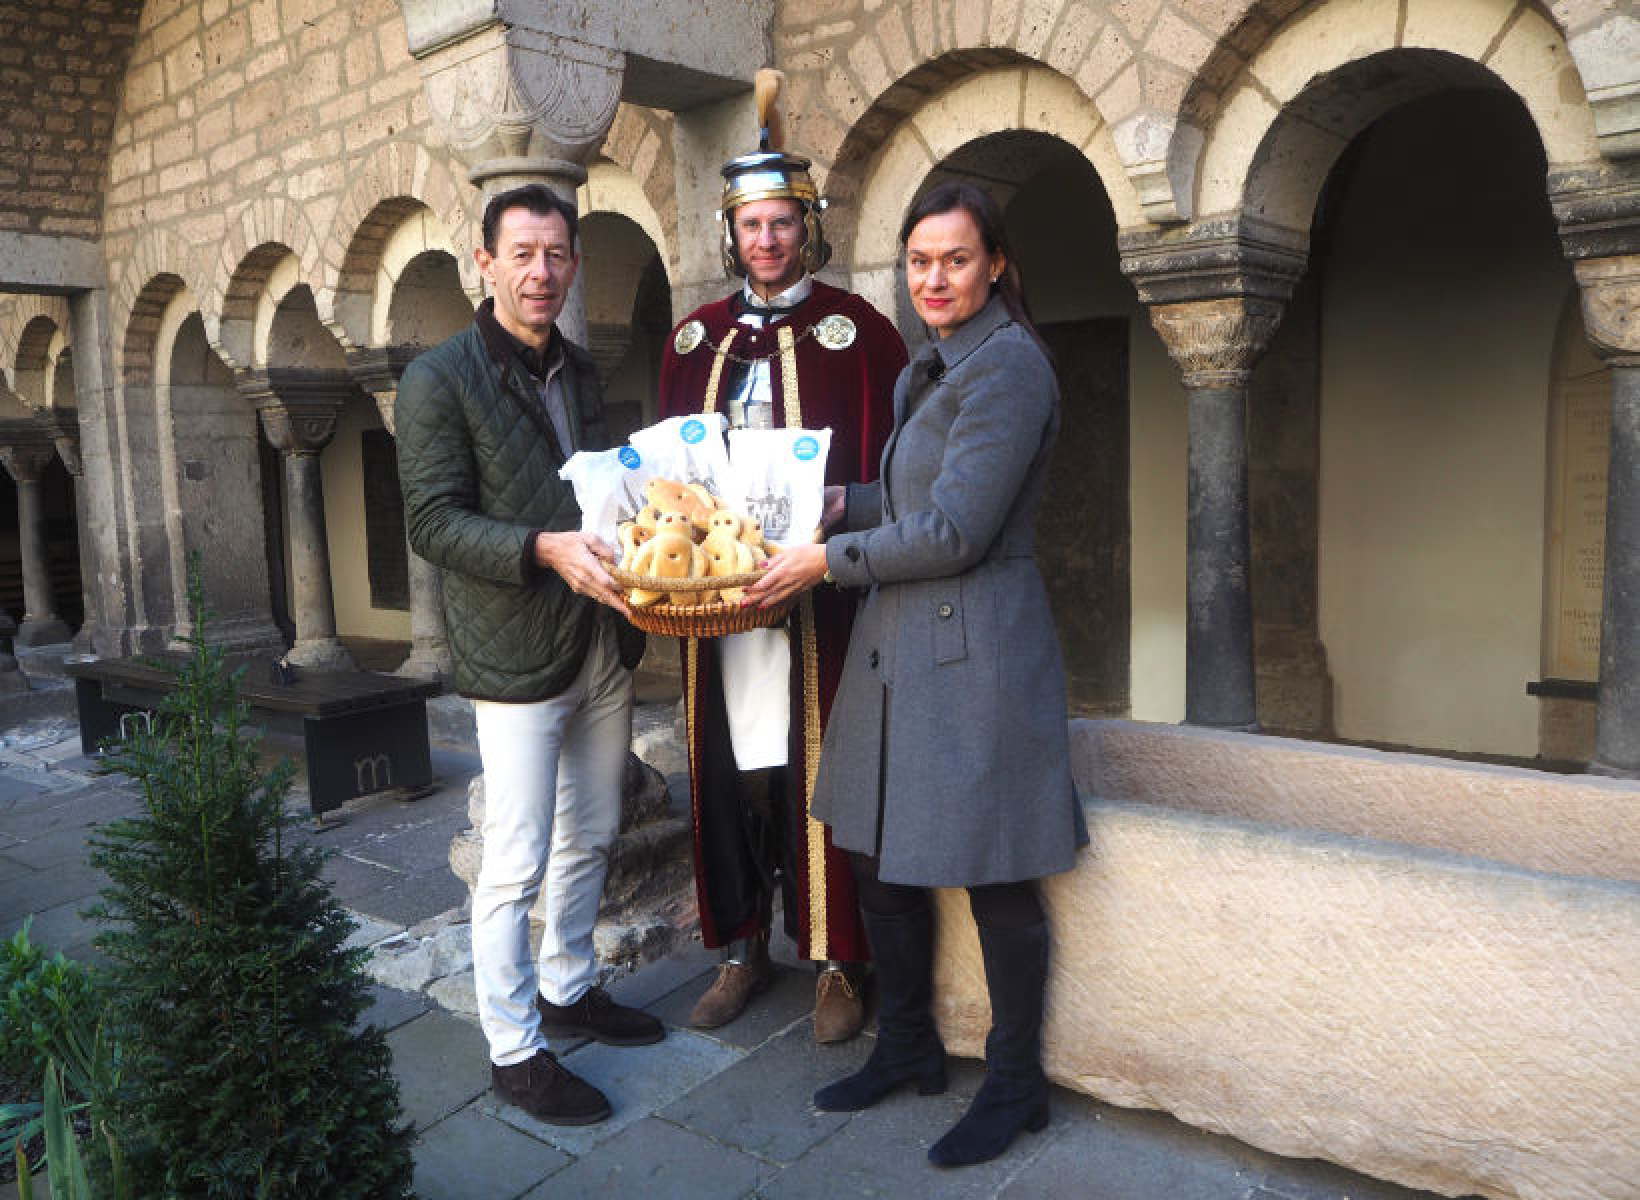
(778, 476)
(687, 450)
(609, 487)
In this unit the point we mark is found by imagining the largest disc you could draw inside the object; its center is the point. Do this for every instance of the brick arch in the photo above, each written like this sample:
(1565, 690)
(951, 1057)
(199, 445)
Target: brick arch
(157, 254)
(1287, 86)
(387, 185)
(1307, 91)
(242, 266)
(1023, 98)
(640, 143)
(139, 348)
(1129, 62)
(23, 349)
(611, 188)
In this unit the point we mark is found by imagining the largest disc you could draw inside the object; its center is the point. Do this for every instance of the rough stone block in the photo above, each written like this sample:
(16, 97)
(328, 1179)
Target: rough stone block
(1443, 1022)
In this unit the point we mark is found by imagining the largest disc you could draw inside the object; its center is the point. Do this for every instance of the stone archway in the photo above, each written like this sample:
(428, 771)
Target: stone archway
(1064, 231)
(216, 495)
(1435, 314)
(629, 312)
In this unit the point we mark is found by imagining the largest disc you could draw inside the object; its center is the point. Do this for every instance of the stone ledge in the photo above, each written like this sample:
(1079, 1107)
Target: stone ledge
(1433, 1019)
(1578, 825)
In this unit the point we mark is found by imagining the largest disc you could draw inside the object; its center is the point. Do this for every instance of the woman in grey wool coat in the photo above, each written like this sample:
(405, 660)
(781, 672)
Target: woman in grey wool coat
(945, 763)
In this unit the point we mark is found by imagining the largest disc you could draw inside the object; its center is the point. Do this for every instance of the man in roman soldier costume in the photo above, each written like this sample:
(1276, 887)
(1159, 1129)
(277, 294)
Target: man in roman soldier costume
(783, 350)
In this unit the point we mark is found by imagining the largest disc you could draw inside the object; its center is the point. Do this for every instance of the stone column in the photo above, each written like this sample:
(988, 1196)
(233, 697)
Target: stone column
(64, 425)
(27, 453)
(298, 410)
(518, 103)
(1598, 211)
(1216, 294)
(378, 371)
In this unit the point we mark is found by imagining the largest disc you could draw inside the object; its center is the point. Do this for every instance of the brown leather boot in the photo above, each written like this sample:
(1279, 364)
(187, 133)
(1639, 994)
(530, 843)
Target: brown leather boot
(839, 1011)
(542, 1087)
(739, 978)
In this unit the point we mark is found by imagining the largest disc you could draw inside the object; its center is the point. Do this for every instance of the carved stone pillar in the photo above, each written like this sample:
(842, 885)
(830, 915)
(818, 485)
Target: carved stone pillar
(64, 426)
(1599, 217)
(298, 410)
(518, 101)
(1216, 294)
(378, 371)
(26, 452)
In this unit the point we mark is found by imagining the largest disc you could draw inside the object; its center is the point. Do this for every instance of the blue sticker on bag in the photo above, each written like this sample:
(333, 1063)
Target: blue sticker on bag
(630, 458)
(692, 432)
(805, 448)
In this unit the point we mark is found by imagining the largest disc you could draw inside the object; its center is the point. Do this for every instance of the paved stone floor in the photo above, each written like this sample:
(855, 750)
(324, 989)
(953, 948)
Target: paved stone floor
(715, 1116)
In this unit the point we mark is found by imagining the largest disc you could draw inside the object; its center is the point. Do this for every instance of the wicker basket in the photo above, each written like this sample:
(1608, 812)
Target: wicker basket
(698, 620)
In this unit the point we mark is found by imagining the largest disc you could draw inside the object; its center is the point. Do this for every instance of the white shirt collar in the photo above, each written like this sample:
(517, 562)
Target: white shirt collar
(794, 295)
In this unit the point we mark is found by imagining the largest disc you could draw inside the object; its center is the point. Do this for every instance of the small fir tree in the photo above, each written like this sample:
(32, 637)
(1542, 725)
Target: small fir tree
(233, 994)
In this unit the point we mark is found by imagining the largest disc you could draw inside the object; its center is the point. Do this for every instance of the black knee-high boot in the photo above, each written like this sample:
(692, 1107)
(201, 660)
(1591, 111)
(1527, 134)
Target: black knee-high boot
(908, 1048)
(1014, 1095)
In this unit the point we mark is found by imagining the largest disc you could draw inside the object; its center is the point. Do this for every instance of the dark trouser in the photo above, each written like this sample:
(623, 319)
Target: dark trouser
(994, 905)
(1013, 937)
(746, 840)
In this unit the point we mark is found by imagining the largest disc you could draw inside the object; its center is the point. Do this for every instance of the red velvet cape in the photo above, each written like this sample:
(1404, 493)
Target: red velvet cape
(849, 390)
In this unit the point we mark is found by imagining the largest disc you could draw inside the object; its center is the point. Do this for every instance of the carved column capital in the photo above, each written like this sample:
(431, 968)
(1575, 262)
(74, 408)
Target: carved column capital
(377, 370)
(63, 426)
(26, 448)
(298, 408)
(516, 101)
(1609, 292)
(1216, 342)
(1597, 210)
(1216, 291)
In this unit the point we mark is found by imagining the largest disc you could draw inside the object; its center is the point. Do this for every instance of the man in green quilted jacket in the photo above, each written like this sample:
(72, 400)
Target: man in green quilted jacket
(483, 422)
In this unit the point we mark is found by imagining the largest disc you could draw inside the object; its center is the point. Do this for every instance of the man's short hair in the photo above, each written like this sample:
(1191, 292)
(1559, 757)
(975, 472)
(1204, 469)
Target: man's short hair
(537, 198)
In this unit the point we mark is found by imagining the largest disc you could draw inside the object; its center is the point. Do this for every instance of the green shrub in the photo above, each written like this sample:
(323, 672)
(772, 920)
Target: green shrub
(41, 999)
(235, 1000)
(51, 1029)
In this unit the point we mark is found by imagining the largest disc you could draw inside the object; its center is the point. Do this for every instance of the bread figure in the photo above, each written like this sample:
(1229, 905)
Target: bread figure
(726, 555)
(631, 535)
(668, 495)
(670, 554)
(751, 532)
(710, 503)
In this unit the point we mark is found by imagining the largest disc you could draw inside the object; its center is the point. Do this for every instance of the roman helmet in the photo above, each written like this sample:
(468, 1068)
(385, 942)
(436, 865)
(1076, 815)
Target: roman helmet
(768, 174)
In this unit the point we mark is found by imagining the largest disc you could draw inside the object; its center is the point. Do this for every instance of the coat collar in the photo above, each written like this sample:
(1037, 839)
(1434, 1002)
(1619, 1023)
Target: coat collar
(504, 348)
(942, 354)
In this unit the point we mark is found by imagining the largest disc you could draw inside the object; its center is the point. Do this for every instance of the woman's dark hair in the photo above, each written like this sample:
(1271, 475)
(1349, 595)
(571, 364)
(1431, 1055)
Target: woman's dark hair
(538, 198)
(987, 215)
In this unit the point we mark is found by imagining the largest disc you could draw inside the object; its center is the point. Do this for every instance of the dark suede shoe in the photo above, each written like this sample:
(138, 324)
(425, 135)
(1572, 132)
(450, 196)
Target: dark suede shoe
(598, 1017)
(543, 1088)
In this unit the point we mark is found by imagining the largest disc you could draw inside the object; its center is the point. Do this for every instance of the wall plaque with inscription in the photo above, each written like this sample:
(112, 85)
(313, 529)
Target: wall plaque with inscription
(1579, 457)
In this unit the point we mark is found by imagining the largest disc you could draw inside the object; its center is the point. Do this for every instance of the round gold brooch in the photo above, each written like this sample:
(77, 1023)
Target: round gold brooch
(689, 337)
(835, 332)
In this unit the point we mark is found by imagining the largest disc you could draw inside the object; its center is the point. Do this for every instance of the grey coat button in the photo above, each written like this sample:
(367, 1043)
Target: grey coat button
(872, 658)
(945, 611)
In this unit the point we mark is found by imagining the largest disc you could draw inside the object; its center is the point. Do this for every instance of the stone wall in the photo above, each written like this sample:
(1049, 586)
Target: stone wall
(68, 57)
(1432, 1018)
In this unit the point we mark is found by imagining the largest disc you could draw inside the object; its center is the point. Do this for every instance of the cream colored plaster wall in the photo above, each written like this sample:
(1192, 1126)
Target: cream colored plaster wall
(342, 470)
(1069, 278)
(1158, 439)
(1439, 315)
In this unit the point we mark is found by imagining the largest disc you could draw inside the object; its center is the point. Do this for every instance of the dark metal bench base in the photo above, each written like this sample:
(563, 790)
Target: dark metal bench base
(362, 733)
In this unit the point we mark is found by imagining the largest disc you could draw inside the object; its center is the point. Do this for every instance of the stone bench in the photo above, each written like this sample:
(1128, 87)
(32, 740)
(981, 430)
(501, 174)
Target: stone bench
(361, 732)
(1424, 970)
